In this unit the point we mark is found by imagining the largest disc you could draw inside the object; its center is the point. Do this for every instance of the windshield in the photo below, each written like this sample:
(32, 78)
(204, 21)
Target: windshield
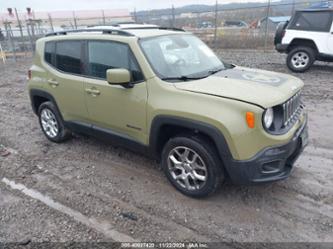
(180, 57)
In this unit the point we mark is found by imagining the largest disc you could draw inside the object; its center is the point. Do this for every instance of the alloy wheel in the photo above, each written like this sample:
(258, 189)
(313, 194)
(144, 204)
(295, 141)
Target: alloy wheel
(187, 168)
(49, 123)
(300, 60)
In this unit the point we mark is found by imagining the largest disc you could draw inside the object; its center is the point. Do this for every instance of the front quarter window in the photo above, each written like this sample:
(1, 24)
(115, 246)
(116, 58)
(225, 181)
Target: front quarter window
(177, 56)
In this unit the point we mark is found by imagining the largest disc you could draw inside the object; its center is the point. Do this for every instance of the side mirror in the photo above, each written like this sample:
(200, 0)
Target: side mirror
(119, 76)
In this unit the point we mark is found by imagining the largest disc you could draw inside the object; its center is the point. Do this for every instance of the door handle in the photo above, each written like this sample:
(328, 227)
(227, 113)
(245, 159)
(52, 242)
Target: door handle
(53, 83)
(93, 92)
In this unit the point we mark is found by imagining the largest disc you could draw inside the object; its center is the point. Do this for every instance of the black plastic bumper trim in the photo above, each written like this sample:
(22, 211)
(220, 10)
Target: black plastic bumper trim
(284, 157)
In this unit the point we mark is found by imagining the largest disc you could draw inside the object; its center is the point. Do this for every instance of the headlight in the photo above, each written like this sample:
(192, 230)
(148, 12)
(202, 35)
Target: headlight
(268, 118)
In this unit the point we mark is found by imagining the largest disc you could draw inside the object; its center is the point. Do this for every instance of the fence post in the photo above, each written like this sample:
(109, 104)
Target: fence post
(173, 18)
(51, 21)
(29, 25)
(135, 18)
(10, 38)
(293, 7)
(215, 25)
(74, 18)
(266, 26)
(103, 15)
(3, 55)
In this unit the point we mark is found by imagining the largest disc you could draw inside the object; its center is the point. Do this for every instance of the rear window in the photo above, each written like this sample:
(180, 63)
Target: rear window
(68, 56)
(319, 21)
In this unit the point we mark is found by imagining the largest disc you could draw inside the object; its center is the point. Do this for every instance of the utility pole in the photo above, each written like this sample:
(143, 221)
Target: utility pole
(19, 23)
(21, 30)
(266, 26)
(215, 28)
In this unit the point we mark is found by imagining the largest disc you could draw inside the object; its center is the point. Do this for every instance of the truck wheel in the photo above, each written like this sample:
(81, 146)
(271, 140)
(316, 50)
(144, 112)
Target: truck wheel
(192, 166)
(300, 59)
(51, 123)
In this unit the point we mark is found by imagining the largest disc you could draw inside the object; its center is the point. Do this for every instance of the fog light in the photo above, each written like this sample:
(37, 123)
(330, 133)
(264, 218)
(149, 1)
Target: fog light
(271, 167)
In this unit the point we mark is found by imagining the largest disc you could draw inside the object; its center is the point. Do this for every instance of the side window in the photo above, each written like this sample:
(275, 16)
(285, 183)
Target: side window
(319, 21)
(107, 55)
(49, 52)
(68, 56)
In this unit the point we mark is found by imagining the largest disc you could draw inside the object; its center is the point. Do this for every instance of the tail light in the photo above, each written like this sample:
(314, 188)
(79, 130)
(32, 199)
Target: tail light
(29, 74)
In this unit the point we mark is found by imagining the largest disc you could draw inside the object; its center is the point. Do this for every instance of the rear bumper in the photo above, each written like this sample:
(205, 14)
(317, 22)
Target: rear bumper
(271, 164)
(281, 48)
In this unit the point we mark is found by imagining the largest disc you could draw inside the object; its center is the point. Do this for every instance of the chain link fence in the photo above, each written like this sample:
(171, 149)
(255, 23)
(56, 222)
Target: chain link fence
(221, 27)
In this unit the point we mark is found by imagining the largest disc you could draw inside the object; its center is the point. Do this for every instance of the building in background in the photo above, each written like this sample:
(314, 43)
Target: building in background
(273, 22)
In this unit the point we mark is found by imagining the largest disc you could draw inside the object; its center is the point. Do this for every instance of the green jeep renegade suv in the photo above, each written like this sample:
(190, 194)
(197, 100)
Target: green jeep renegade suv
(165, 93)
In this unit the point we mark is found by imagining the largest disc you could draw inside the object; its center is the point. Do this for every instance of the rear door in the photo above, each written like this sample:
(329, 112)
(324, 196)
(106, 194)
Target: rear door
(65, 80)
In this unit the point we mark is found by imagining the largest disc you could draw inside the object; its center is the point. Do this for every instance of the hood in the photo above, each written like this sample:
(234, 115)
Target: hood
(259, 87)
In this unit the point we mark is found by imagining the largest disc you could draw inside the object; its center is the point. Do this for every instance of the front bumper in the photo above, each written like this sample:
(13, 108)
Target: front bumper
(271, 164)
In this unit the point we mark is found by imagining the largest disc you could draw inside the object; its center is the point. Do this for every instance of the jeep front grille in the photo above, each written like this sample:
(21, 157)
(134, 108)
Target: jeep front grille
(292, 109)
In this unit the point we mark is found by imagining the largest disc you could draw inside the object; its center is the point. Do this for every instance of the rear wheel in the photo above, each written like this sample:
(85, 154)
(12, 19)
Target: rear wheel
(192, 165)
(300, 59)
(51, 123)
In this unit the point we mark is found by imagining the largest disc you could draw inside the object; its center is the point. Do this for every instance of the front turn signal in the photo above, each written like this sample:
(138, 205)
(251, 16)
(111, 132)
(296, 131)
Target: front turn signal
(250, 120)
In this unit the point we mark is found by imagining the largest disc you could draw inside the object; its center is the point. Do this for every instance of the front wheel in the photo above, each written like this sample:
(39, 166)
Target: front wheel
(300, 59)
(192, 166)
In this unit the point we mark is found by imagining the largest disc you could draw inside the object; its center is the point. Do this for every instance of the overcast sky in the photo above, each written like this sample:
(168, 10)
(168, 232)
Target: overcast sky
(102, 4)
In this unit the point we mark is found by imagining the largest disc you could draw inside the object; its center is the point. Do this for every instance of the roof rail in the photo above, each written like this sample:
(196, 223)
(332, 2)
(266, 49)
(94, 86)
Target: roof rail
(157, 27)
(104, 31)
(174, 29)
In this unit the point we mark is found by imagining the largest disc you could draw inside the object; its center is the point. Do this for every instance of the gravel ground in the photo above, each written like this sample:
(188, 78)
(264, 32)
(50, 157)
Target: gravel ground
(121, 192)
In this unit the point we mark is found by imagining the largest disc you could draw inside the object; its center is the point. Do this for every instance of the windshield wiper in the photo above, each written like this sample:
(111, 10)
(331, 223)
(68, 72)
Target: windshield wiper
(185, 78)
(214, 71)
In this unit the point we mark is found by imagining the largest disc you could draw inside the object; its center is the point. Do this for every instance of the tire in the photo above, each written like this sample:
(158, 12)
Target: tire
(207, 165)
(279, 32)
(300, 59)
(51, 123)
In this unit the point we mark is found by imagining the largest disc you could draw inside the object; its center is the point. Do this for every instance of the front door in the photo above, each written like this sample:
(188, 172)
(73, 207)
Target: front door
(121, 110)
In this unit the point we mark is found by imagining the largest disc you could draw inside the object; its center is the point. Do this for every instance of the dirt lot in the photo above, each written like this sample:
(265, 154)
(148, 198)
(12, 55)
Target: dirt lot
(91, 191)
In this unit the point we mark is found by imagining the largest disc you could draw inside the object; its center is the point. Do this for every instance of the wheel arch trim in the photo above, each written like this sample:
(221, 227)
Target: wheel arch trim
(207, 129)
(298, 41)
(40, 93)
